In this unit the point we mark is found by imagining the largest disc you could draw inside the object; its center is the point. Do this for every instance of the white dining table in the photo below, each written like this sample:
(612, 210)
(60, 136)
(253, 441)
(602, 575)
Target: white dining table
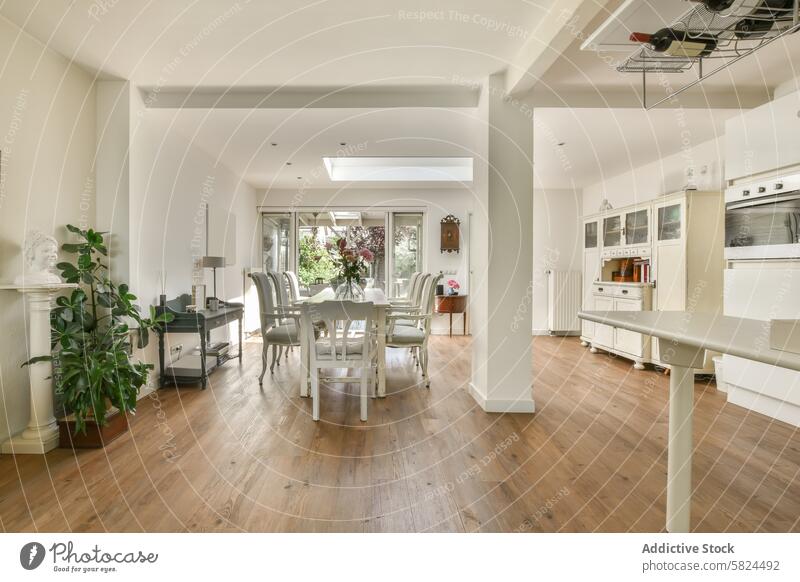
(372, 295)
(684, 337)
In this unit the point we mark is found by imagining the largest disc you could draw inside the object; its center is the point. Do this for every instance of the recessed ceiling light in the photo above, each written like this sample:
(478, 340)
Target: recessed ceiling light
(562, 143)
(299, 177)
(342, 143)
(273, 144)
(288, 163)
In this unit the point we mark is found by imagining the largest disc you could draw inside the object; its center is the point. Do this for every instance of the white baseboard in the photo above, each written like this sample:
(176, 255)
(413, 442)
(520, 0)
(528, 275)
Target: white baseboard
(558, 334)
(520, 406)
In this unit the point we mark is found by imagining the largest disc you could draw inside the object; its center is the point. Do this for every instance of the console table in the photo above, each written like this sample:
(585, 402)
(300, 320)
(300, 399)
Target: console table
(200, 322)
(452, 304)
(684, 338)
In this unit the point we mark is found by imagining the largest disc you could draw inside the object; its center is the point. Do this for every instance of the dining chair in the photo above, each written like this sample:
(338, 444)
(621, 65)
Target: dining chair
(413, 328)
(409, 291)
(294, 285)
(350, 344)
(283, 303)
(279, 328)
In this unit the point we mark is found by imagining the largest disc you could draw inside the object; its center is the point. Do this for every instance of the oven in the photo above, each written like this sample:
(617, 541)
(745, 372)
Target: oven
(762, 220)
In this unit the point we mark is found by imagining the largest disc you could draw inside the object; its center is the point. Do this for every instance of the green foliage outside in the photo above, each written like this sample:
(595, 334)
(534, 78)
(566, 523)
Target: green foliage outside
(315, 262)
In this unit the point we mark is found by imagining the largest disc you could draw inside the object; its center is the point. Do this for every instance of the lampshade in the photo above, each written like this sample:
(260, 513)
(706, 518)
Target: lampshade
(213, 262)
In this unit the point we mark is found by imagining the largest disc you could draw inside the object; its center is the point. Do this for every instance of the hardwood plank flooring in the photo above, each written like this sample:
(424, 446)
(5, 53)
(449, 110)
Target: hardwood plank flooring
(239, 458)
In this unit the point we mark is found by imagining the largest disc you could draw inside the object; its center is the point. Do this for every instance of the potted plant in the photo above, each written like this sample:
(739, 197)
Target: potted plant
(93, 366)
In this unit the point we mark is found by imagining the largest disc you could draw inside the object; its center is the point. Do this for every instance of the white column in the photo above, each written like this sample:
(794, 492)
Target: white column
(501, 256)
(41, 434)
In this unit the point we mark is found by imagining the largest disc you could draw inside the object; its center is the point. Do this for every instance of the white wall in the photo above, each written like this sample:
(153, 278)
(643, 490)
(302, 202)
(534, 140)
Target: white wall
(556, 243)
(172, 181)
(438, 203)
(47, 138)
(661, 177)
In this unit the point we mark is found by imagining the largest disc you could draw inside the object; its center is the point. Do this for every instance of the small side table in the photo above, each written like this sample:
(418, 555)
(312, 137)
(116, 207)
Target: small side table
(452, 304)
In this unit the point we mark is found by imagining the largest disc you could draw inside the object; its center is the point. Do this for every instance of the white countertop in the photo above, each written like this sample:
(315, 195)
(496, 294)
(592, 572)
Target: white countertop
(625, 283)
(746, 338)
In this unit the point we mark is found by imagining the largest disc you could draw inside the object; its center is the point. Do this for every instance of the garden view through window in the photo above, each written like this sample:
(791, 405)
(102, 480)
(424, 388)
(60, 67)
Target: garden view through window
(300, 241)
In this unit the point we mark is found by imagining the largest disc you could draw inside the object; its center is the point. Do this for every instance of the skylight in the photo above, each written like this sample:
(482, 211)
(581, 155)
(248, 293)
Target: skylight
(405, 169)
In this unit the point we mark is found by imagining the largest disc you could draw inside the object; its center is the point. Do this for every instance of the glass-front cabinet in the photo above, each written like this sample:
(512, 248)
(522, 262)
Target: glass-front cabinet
(669, 218)
(612, 231)
(637, 227)
(590, 234)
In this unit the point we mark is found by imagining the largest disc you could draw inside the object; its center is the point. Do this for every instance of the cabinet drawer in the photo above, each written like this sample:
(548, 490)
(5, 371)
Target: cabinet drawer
(598, 289)
(628, 292)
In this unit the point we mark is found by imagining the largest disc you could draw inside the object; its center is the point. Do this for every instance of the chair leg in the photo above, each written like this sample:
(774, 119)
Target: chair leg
(425, 367)
(280, 353)
(364, 382)
(287, 352)
(274, 356)
(315, 394)
(264, 357)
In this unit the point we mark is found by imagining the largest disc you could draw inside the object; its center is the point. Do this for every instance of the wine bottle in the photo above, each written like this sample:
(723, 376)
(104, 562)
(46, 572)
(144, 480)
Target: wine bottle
(716, 5)
(764, 15)
(677, 43)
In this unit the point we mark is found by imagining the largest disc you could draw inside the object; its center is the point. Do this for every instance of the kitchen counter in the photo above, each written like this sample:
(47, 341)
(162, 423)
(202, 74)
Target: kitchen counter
(685, 336)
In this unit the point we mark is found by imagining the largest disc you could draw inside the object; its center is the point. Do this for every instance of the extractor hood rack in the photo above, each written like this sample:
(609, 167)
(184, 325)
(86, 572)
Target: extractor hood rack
(700, 22)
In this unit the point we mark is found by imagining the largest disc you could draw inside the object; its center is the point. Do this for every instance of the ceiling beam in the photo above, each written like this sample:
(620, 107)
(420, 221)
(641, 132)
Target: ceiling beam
(626, 98)
(455, 95)
(553, 35)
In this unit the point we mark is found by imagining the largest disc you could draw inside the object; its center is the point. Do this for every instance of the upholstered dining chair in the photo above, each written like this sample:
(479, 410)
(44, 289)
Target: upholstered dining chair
(281, 287)
(279, 328)
(294, 285)
(350, 344)
(413, 329)
(410, 290)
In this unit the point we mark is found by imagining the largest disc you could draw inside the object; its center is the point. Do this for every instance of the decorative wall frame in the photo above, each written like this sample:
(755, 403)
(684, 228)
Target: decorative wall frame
(451, 234)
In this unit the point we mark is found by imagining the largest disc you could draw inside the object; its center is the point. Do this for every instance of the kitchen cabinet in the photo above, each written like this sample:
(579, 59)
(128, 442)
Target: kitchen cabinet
(591, 272)
(637, 227)
(763, 139)
(612, 231)
(622, 297)
(688, 256)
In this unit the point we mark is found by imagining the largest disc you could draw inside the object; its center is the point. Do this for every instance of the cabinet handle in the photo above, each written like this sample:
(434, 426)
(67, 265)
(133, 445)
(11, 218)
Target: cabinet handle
(624, 291)
(600, 289)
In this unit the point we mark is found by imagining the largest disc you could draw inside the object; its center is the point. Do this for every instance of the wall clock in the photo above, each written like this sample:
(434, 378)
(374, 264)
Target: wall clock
(450, 234)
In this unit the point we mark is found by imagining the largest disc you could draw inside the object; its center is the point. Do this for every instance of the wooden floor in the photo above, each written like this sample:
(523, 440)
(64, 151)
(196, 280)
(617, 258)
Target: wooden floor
(238, 458)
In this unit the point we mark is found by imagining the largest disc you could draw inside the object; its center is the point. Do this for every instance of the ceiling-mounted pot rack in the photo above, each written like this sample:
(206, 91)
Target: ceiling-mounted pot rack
(740, 30)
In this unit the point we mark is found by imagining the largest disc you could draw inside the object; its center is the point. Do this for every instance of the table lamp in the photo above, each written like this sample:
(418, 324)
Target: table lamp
(214, 263)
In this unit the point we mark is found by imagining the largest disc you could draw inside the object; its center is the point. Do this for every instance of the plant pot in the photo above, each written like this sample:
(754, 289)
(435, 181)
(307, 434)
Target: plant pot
(96, 436)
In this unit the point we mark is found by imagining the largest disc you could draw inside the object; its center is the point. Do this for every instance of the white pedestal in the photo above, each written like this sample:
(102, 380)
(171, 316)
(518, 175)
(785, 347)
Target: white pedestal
(41, 434)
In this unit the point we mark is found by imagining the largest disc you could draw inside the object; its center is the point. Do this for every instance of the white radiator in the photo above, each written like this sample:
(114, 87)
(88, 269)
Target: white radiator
(564, 292)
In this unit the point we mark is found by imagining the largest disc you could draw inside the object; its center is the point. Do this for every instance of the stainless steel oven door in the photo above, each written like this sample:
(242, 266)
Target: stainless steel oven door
(765, 228)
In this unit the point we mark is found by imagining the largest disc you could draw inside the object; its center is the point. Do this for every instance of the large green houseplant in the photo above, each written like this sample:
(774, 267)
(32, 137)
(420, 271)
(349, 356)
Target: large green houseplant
(93, 363)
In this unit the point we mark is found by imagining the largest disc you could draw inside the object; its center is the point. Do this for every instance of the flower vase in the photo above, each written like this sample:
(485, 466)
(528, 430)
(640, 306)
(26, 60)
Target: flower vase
(350, 290)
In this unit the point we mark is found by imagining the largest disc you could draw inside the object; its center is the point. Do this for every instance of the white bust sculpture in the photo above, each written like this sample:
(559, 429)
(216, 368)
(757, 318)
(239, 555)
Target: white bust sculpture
(41, 254)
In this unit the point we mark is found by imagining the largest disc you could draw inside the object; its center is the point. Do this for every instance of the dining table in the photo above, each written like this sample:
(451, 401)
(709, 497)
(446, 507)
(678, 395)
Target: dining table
(380, 303)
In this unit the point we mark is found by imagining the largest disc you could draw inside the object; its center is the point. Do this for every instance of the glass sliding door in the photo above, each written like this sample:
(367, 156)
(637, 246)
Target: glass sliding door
(407, 249)
(276, 247)
(297, 241)
(361, 229)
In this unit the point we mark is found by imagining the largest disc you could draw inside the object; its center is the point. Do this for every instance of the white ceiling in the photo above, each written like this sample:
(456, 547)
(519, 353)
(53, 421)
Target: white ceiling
(277, 42)
(242, 139)
(602, 143)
